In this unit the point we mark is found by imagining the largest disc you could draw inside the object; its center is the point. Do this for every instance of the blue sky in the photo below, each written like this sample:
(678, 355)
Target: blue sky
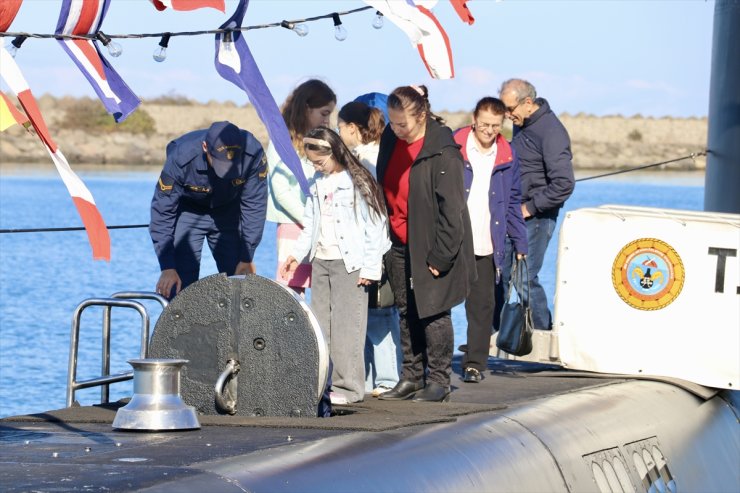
(600, 57)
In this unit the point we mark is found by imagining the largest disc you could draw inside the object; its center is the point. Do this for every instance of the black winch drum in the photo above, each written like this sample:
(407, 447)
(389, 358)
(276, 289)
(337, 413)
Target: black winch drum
(254, 347)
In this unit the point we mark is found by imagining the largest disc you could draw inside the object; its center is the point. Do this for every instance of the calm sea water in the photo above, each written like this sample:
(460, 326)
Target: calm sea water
(44, 276)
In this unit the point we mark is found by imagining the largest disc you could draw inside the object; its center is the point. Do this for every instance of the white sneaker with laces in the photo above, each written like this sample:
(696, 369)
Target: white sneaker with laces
(380, 390)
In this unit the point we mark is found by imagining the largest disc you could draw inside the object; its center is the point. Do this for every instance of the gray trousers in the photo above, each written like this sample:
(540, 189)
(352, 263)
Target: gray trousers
(340, 306)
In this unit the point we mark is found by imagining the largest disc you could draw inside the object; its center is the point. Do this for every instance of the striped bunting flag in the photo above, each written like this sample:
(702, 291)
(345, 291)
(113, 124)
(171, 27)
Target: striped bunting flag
(9, 114)
(463, 11)
(188, 4)
(8, 10)
(85, 17)
(424, 31)
(235, 63)
(97, 232)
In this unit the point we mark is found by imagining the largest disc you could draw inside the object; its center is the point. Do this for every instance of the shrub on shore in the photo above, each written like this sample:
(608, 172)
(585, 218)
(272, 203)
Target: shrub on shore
(90, 115)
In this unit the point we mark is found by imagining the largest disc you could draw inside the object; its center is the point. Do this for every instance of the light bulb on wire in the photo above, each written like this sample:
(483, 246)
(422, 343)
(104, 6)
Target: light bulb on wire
(15, 45)
(340, 33)
(228, 42)
(114, 49)
(301, 29)
(378, 20)
(160, 54)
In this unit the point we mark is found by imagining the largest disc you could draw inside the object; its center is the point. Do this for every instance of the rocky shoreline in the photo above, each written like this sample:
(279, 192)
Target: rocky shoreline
(608, 142)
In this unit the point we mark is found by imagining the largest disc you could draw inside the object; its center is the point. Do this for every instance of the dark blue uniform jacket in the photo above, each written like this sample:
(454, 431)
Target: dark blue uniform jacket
(188, 182)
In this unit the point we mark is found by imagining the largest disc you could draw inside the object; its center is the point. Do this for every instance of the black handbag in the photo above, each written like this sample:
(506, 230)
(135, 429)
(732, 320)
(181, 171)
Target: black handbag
(515, 329)
(380, 294)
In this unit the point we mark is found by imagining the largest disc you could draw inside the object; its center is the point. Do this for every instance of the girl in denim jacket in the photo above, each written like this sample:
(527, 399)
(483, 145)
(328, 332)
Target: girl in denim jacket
(345, 236)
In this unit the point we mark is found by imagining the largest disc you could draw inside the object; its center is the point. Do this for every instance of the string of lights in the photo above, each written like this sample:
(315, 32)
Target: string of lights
(299, 26)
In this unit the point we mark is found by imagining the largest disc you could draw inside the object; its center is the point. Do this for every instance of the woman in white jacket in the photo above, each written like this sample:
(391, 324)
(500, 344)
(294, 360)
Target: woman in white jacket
(345, 235)
(360, 127)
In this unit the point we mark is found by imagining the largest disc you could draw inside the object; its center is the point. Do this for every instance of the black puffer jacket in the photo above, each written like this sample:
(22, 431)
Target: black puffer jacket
(439, 231)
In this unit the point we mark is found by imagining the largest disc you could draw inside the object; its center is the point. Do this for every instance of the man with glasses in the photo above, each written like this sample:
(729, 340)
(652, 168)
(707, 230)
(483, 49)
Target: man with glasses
(542, 145)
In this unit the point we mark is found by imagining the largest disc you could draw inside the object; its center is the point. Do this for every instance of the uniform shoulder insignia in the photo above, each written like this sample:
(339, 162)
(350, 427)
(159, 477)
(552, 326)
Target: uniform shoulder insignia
(263, 164)
(165, 183)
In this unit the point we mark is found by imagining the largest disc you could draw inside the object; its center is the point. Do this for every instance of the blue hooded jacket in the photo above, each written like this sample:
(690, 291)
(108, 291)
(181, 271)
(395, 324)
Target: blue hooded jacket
(504, 197)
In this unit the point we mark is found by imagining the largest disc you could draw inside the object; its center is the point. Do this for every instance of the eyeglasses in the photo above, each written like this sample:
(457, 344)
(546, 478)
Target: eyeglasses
(511, 109)
(487, 126)
(322, 163)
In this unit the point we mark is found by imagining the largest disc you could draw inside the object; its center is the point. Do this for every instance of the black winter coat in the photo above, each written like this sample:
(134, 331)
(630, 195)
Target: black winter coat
(439, 232)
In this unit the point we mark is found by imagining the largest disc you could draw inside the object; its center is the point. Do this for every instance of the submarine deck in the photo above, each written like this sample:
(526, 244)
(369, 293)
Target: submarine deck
(76, 448)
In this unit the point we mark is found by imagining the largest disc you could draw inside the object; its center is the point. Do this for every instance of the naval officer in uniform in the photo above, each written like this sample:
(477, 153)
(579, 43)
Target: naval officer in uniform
(212, 186)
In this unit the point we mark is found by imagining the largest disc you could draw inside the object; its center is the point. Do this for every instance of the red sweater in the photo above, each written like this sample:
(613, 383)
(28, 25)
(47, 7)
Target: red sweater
(396, 184)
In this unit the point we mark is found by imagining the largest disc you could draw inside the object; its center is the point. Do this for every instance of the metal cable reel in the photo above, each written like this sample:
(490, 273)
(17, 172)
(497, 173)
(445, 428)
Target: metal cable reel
(254, 347)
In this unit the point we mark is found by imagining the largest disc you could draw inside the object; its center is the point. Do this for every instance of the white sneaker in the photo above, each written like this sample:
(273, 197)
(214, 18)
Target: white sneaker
(380, 390)
(338, 398)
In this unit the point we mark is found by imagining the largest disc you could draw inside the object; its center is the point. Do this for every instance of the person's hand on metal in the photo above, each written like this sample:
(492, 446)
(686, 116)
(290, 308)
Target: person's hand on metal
(167, 280)
(243, 268)
(287, 269)
(520, 256)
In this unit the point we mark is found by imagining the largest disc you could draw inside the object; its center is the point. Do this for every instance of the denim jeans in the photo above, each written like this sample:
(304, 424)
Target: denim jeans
(340, 306)
(539, 232)
(382, 348)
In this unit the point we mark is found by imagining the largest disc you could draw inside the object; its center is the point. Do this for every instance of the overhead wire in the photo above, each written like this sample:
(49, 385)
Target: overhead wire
(289, 24)
(691, 156)
(94, 36)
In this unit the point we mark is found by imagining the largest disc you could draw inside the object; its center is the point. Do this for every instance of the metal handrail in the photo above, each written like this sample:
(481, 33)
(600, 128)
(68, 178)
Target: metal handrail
(72, 384)
(105, 366)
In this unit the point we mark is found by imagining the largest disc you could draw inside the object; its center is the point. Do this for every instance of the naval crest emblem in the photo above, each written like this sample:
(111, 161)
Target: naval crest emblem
(648, 274)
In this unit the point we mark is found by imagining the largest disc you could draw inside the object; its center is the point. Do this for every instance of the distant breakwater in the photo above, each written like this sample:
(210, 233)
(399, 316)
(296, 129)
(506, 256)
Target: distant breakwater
(598, 142)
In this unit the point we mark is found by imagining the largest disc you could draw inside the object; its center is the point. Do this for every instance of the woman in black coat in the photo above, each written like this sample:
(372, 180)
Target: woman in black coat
(431, 263)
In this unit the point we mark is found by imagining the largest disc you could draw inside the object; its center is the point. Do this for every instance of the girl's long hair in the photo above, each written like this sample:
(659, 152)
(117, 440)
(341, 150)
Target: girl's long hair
(363, 181)
(311, 94)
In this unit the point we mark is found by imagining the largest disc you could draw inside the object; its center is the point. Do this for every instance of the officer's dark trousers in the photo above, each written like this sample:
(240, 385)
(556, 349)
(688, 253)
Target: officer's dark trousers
(424, 341)
(221, 228)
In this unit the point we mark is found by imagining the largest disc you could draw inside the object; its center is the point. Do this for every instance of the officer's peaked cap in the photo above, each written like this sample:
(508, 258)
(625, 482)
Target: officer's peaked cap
(226, 147)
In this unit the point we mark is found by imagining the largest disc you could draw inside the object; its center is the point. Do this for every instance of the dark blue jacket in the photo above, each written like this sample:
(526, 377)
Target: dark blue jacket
(542, 145)
(504, 197)
(188, 182)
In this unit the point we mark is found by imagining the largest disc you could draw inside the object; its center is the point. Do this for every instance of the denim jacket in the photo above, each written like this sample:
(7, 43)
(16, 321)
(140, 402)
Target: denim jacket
(362, 236)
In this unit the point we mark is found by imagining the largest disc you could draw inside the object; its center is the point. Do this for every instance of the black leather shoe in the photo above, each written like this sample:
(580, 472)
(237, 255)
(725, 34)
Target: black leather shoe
(404, 389)
(433, 392)
(471, 375)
